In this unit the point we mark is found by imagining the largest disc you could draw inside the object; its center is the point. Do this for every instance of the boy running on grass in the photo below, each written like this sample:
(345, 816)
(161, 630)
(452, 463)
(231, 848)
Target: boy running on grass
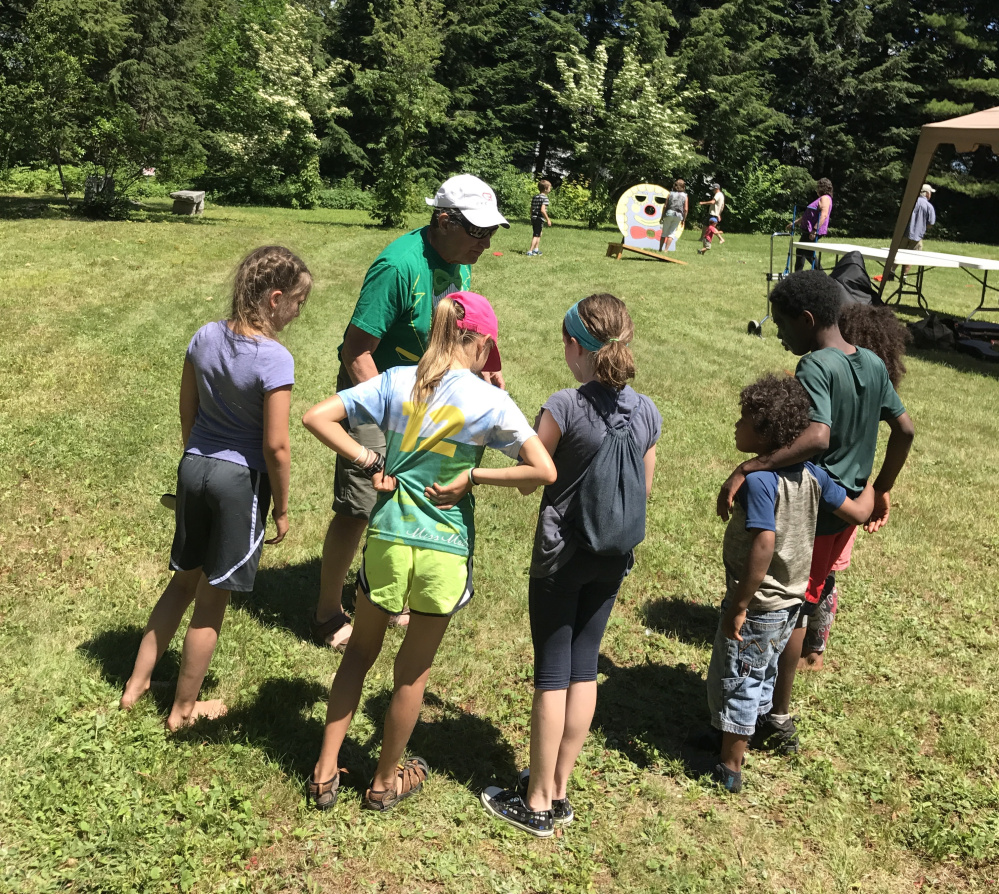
(709, 233)
(850, 393)
(767, 553)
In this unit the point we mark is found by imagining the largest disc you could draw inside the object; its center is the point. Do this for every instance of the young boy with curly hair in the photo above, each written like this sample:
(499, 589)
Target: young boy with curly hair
(851, 394)
(767, 553)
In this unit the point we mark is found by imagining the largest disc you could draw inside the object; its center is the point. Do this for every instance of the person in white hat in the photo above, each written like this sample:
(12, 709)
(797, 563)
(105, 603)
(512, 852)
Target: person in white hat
(390, 327)
(923, 217)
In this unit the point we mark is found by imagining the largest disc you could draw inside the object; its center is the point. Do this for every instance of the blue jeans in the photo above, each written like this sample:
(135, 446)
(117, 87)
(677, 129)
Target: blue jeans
(741, 675)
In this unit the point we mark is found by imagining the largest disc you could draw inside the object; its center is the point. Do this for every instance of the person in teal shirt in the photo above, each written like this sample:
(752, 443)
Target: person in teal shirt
(438, 417)
(390, 327)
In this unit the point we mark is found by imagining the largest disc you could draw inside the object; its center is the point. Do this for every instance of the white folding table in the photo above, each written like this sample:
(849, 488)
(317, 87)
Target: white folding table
(922, 261)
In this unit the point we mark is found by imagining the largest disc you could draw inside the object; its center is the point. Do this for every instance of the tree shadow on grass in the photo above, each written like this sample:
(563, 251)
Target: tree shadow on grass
(354, 226)
(648, 711)
(688, 621)
(115, 650)
(46, 207)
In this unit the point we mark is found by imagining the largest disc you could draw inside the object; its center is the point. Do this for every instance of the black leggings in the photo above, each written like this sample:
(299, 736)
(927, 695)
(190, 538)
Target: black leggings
(803, 257)
(569, 611)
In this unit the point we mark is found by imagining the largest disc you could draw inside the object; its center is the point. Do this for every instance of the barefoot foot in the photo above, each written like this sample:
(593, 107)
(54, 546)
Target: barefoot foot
(340, 639)
(133, 692)
(811, 661)
(212, 709)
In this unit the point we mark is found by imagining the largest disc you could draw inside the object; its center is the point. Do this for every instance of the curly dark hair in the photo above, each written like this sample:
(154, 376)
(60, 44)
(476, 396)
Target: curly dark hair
(823, 186)
(809, 290)
(778, 406)
(878, 330)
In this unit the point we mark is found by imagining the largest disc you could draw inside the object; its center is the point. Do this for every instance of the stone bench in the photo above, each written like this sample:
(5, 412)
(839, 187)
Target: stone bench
(188, 201)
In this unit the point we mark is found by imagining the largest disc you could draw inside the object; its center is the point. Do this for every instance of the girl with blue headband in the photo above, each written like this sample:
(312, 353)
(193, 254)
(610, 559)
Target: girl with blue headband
(602, 438)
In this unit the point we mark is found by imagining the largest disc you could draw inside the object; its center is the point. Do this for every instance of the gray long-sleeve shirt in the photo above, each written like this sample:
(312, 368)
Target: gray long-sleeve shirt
(923, 216)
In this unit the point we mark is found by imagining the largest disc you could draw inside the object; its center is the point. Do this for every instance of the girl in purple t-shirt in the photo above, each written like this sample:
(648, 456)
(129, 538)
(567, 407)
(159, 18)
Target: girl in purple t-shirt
(235, 399)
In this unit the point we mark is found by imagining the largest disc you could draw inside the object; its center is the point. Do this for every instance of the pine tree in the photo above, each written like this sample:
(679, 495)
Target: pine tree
(956, 62)
(403, 94)
(844, 81)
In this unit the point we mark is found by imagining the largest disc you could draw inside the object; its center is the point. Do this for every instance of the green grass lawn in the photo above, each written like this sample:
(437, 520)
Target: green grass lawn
(895, 789)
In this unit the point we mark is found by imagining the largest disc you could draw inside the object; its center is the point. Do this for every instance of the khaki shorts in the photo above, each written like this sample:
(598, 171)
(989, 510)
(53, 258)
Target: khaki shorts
(353, 494)
(429, 581)
(912, 244)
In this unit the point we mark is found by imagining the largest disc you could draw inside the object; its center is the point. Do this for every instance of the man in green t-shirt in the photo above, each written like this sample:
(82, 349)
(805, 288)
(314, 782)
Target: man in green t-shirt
(390, 327)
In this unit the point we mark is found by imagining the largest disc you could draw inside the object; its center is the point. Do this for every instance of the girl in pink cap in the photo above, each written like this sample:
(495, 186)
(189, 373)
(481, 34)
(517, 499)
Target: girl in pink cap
(438, 418)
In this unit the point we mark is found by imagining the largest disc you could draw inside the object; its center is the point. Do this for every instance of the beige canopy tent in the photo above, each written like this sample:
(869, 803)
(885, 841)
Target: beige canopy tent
(966, 134)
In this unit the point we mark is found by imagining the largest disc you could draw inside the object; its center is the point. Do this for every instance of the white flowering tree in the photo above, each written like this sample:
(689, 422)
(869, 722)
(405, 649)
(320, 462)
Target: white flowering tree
(272, 91)
(627, 127)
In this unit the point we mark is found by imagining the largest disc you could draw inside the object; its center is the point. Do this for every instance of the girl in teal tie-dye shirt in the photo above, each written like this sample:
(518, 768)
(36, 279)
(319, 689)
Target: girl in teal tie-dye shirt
(438, 418)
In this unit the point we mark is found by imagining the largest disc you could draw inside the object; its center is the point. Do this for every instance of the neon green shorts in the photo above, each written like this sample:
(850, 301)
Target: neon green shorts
(430, 581)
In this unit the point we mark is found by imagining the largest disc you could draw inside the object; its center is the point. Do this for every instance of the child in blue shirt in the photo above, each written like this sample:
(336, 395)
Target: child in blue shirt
(767, 554)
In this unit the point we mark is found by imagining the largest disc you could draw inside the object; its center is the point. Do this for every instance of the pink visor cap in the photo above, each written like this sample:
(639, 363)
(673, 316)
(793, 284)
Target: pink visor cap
(481, 318)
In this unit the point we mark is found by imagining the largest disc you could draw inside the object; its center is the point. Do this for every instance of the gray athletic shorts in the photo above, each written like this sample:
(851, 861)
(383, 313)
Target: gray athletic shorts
(221, 515)
(353, 494)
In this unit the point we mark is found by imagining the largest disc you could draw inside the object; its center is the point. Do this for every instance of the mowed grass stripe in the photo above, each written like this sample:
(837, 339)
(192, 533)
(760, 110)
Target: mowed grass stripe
(893, 790)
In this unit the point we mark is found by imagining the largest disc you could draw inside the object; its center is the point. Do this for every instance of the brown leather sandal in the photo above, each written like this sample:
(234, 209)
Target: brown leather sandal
(322, 633)
(408, 782)
(323, 795)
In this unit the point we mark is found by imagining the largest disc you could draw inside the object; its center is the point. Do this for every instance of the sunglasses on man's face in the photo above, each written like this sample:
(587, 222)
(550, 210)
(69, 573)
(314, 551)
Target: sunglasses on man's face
(473, 231)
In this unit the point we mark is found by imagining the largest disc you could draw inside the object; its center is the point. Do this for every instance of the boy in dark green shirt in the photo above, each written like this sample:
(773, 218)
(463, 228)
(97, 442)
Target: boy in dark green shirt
(851, 394)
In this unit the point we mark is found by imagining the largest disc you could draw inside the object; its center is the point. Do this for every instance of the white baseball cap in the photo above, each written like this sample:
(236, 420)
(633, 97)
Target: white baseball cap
(927, 188)
(473, 197)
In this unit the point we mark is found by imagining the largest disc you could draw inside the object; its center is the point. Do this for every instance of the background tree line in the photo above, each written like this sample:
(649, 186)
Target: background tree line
(365, 104)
